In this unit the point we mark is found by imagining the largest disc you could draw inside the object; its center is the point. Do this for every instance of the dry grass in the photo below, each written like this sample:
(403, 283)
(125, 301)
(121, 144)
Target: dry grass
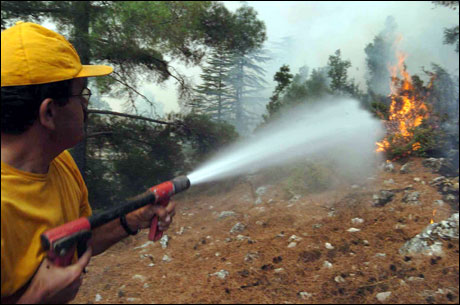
(186, 279)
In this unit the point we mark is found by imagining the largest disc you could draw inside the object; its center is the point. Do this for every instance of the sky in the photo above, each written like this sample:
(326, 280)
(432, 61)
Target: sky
(318, 29)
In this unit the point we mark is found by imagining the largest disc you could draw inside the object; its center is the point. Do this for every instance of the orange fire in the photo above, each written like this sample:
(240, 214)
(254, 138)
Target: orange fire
(434, 213)
(407, 110)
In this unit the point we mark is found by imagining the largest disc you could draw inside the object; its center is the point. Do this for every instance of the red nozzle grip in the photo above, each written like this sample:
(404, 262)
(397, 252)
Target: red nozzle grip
(155, 234)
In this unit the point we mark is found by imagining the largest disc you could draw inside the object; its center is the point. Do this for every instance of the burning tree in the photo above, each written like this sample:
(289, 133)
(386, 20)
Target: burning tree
(407, 111)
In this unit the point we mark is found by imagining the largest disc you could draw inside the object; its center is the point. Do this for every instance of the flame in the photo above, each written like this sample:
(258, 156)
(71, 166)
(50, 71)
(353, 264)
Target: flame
(434, 213)
(407, 110)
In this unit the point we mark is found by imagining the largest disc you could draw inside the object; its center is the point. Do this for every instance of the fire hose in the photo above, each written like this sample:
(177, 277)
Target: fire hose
(62, 241)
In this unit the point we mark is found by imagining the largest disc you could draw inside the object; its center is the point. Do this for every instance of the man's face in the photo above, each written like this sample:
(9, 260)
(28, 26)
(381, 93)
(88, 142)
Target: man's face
(71, 117)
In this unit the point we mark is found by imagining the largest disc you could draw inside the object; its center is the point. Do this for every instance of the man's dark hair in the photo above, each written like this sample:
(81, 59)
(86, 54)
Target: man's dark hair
(21, 104)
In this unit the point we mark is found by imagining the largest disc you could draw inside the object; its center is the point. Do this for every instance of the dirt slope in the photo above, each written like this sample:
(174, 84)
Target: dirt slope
(260, 266)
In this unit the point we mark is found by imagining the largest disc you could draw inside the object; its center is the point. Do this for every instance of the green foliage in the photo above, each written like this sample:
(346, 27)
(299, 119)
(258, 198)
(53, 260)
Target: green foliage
(380, 110)
(126, 156)
(338, 72)
(202, 137)
(298, 91)
(283, 79)
(427, 140)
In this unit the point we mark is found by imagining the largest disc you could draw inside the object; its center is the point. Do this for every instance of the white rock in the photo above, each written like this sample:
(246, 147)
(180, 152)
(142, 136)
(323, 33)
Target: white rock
(164, 241)
(353, 230)
(294, 238)
(339, 279)
(139, 277)
(278, 270)
(292, 245)
(98, 298)
(133, 300)
(382, 296)
(328, 246)
(357, 221)
(225, 214)
(222, 274)
(166, 258)
(327, 264)
(144, 245)
(181, 231)
(305, 295)
(238, 227)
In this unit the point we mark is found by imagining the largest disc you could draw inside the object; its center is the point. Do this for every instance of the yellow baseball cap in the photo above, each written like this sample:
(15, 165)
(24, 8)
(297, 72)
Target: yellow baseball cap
(33, 55)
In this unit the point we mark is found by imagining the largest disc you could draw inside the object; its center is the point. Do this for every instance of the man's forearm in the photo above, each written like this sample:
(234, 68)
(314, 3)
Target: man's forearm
(109, 234)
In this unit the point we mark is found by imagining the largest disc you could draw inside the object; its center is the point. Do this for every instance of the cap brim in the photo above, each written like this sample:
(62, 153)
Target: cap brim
(94, 70)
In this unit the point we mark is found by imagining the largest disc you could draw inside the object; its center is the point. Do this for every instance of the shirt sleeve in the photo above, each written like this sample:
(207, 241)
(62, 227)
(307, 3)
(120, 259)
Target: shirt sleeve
(85, 208)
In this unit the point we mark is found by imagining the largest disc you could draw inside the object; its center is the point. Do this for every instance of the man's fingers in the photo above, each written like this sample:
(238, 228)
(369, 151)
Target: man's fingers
(83, 261)
(161, 212)
(171, 207)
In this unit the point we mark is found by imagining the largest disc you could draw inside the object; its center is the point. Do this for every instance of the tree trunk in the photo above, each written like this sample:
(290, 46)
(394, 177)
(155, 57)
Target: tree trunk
(80, 40)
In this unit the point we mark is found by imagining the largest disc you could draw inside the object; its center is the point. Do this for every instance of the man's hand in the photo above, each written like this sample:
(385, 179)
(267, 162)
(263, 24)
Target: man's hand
(54, 284)
(142, 218)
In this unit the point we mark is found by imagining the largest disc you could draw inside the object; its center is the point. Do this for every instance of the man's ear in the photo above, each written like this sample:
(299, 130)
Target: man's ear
(47, 114)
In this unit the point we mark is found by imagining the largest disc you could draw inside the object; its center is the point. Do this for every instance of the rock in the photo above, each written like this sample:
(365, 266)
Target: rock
(279, 270)
(166, 258)
(261, 190)
(222, 274)
(405, 169)
(249, 257)
(443, 166)
(145, 245)
(428, 242)
(225, 214)
(258, 201)
(294, 238)
(238, 227)
(328, 246)
(357, 221)
(133, 300)
(327, 264)
(353, 230)
(181, 231)
(98, 298)
(439, 202)
(381, 199)
(388, 167)
(412, 198)
(139, 277)
(416, 179)
(339, 279)
(292, 245)
(295, 198)
(164, 241)
(389, 181)
(382, 296)
(305, 295)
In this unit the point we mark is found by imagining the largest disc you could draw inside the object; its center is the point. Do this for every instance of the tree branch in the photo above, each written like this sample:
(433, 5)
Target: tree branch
(138, 117)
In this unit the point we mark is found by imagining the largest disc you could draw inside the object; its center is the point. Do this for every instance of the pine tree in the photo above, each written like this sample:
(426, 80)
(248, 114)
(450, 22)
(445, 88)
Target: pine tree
(213, 96)
(246, 79)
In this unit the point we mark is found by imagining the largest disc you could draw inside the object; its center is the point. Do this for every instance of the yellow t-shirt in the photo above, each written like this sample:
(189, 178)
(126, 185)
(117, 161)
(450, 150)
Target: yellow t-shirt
(31, 204)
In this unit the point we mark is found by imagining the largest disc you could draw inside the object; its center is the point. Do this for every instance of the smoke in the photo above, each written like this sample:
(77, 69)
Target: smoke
(336, 127)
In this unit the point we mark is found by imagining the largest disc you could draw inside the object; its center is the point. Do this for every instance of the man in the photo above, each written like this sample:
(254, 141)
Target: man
(43, 109)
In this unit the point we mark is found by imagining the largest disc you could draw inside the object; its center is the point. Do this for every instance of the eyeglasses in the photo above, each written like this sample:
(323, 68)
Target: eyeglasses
(86, 94)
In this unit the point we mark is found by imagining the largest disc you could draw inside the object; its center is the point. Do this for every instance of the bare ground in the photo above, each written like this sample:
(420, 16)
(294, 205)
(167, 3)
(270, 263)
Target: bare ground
(263, 269)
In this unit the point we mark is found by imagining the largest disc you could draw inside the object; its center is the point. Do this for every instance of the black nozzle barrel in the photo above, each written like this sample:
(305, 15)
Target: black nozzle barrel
(180, 183)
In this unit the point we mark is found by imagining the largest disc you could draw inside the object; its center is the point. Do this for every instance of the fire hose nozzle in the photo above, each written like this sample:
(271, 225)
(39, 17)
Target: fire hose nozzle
(180, 183)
